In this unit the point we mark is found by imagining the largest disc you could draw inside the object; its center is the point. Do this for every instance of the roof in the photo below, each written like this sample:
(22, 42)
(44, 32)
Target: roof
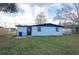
(47, 24)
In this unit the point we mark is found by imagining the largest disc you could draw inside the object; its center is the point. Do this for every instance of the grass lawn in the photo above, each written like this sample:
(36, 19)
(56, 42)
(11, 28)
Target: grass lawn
(64, 45)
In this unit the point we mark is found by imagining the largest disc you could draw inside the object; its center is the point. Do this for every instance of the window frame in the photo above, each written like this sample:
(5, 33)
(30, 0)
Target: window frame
(57, 29)
(39, 28)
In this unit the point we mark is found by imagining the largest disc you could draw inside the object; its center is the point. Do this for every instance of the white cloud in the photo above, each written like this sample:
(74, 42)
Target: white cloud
(26, 16)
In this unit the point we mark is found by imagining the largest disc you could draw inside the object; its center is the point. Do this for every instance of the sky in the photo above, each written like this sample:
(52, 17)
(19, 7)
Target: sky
(28, 13)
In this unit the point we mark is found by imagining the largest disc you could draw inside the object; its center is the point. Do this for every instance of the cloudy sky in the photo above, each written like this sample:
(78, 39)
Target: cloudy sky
(28, 12)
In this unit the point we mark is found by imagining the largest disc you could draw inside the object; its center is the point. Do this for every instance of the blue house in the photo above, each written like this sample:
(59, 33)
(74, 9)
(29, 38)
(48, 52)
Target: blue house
(47, 29)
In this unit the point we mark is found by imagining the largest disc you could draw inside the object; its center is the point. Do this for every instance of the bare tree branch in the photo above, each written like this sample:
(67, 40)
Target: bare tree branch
(40, 19)
(67, 12)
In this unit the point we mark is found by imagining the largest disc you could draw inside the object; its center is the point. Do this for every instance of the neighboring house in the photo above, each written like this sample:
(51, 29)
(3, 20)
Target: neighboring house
(76, 29)
(39, 30)
(11, 29)
(71, 29)
(67, 31)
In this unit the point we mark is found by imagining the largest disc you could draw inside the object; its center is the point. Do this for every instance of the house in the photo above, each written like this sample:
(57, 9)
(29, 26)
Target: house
(11, 29)
(47, 29)
(76, 29)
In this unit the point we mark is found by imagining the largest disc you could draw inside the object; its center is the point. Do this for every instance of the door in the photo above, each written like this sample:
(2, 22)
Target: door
(29, 30)
(20, 34)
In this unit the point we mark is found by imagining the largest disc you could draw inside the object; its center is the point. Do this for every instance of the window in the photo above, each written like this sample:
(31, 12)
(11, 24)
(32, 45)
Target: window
(39, 29)
(77, 29)
(57, 29)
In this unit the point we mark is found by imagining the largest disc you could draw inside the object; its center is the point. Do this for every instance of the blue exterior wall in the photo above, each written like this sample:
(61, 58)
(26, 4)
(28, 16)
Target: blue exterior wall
(23, 30)
(47, 31)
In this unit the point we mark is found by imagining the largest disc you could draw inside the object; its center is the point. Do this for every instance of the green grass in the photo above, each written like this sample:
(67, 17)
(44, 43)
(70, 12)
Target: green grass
(64, 45)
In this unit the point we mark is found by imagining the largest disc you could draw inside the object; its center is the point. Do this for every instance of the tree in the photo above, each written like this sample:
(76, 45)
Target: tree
(8, 7)
(40, 18)
(69, 11)
(74, 16)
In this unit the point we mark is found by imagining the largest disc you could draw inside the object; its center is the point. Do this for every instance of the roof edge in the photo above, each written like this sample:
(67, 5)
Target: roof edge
(47, 24)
